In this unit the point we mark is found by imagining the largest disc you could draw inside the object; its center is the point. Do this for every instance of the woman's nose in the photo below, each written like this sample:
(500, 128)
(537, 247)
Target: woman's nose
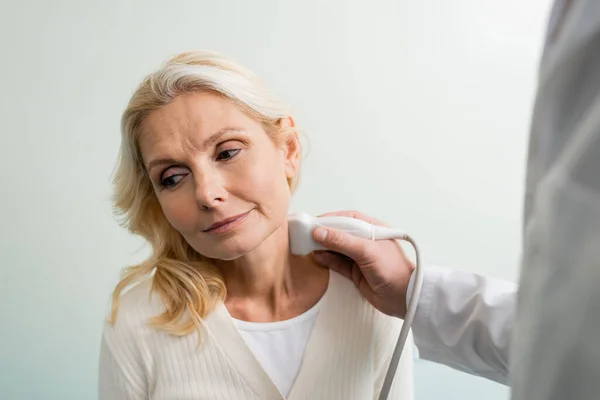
(210, 191)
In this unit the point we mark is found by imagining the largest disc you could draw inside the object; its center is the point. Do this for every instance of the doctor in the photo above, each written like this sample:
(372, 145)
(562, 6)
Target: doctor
(542, 339)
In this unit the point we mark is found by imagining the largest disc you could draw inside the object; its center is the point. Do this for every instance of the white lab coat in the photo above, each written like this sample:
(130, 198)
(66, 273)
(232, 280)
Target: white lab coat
(547, 345)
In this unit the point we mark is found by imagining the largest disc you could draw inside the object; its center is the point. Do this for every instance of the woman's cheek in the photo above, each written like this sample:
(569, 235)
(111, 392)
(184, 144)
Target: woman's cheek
(266, 177)
(180, 214)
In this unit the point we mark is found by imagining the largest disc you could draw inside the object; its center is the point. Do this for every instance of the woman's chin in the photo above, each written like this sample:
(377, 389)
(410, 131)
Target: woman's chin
(225, 252)
(230, 256)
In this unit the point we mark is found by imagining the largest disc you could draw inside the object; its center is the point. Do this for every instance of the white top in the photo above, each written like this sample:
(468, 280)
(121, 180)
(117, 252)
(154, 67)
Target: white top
(346, 356)
(279, 346)
(550, 336)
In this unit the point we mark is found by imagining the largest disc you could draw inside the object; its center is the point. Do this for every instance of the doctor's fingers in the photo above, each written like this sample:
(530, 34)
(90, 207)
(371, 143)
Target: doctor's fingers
(362, 251)
(337, 262)
(344, 266)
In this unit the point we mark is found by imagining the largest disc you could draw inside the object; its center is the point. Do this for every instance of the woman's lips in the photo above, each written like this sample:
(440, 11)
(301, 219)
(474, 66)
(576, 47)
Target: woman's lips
(228, 224)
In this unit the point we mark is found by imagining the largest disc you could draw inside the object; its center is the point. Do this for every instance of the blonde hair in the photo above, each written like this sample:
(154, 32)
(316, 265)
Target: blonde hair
(187, 282)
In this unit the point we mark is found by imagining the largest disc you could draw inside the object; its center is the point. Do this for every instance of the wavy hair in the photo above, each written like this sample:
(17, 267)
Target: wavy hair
(188, 283)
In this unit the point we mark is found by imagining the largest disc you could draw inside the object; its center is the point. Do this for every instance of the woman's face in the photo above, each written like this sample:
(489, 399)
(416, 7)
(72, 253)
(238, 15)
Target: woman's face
(220, 179)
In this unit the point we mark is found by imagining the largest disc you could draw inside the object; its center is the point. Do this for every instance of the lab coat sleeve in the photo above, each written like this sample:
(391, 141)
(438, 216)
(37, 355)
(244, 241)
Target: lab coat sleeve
(464, 320)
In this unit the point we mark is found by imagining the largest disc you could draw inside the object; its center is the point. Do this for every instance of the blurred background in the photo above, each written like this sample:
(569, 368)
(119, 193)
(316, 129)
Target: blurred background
(416, 113)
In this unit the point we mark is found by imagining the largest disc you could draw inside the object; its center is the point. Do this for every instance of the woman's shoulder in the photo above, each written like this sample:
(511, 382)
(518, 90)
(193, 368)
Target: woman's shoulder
(349, 298)
(134, 309)
(372, 335)
(124, 345)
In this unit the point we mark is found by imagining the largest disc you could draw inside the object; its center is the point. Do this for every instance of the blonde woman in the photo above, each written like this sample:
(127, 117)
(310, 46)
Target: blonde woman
(221, 310)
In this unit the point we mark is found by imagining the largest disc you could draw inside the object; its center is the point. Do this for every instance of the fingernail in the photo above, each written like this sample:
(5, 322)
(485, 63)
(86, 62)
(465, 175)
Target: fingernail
(320, 234)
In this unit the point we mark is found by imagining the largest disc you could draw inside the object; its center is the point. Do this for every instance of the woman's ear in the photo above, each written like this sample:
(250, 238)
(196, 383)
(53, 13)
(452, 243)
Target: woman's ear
(291, 146)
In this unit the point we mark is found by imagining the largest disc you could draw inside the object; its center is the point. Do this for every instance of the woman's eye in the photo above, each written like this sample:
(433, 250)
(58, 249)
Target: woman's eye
(171, 181)
(227, 154)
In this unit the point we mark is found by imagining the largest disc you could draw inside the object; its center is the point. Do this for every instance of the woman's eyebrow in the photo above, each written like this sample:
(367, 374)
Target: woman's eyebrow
(161, 161)
(218, 134)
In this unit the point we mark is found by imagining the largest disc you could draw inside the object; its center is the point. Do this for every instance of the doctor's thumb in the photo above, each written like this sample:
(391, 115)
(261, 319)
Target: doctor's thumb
(343, 243)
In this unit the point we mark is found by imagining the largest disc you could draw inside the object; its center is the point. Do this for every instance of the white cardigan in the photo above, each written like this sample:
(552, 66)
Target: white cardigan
(346, 356)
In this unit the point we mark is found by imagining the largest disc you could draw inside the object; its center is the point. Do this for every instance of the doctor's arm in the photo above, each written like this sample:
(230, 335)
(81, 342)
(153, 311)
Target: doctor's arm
(463, 320)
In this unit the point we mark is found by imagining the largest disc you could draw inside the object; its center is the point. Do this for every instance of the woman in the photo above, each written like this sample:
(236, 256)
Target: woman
(221, 310)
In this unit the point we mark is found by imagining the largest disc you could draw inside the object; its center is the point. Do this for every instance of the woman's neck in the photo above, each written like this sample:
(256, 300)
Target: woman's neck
(271, 284)
(263, 272)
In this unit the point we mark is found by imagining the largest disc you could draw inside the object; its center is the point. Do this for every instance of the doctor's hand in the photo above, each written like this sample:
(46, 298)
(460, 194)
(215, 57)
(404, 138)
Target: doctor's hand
(379, 269)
